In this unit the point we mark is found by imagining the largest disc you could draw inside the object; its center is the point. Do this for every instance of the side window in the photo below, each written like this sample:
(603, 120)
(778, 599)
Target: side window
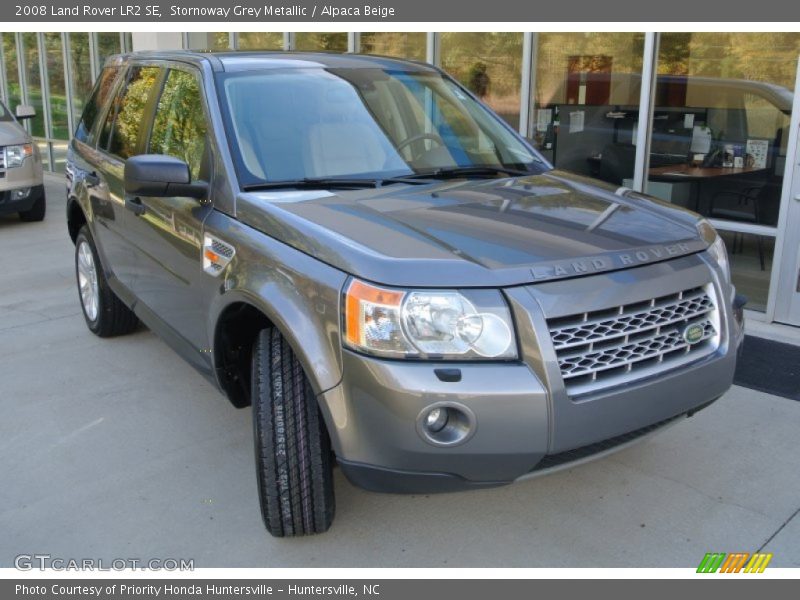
(180, 125)
(123, 123)
(94, 106)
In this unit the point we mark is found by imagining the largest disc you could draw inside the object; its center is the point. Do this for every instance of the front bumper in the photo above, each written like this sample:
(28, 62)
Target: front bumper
(10, 205)
(525, 423)
(27, 176)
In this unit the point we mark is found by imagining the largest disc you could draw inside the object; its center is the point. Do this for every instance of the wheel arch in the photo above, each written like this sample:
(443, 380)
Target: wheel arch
(76, 217)
(235, 328)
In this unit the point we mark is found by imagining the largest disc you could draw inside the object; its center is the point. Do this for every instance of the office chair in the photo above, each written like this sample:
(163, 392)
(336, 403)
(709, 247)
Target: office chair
(753, 204)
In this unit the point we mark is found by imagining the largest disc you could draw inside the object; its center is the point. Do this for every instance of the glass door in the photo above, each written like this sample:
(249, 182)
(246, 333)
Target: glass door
(719, 145)
(787, 295)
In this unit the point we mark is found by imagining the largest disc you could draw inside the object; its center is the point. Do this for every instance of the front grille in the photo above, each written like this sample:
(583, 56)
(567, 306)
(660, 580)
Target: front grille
(2, 158)
(609, 347)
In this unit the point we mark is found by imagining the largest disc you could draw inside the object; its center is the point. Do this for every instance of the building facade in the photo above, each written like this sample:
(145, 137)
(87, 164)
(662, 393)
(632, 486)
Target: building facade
(708, 121)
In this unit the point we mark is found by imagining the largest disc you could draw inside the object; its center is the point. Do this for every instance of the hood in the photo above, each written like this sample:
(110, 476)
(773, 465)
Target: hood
(12, 133)
(475, 233)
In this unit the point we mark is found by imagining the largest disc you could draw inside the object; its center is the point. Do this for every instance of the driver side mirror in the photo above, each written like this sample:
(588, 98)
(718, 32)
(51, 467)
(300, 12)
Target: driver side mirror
(24, 111)
(161, 176)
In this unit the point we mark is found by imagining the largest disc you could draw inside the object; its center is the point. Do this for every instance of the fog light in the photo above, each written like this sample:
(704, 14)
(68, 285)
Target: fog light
(446, 424)
(436, 420)
(20, 193)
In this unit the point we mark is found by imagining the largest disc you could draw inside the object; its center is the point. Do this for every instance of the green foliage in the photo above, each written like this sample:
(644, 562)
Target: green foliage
(402, 45)
(180, 126)
(131, 111)
(478, 79)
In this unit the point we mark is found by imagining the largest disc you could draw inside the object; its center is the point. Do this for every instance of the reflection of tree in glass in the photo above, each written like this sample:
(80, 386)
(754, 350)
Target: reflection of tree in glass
(257, 40)
(179, 129)
(129, 119)
(390, 43)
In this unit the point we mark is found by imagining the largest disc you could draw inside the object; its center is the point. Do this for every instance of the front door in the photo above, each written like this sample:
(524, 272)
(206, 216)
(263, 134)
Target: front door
(170, 281)
(119, 138)
(787, 301)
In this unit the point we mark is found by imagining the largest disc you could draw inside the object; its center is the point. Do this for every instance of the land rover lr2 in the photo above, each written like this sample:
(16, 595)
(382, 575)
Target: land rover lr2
(390, 276)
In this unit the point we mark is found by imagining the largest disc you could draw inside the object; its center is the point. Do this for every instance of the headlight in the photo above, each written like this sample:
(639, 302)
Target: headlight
(435, 324)
(15, 155)
(716, 246)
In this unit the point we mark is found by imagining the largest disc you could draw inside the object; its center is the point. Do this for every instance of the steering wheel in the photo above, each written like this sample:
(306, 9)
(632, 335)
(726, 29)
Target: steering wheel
(420, 136)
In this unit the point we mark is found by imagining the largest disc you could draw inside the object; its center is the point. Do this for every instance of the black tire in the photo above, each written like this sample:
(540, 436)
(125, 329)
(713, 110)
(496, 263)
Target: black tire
(113, 317)
(293, 455)
(35, 212)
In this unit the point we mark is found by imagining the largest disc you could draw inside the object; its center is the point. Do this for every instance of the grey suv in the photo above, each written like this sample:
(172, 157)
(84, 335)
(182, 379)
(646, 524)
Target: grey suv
(391, 276)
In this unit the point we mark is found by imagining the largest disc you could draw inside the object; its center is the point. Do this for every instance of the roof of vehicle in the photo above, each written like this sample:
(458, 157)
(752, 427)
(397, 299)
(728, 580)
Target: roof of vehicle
(278, 59)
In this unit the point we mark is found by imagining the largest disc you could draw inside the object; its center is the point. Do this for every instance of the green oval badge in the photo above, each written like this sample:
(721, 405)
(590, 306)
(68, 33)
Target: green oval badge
(693, 333)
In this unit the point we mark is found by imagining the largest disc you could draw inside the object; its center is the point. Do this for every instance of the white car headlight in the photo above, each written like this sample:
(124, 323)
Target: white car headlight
(716, 247)
(435, 324)
(16, 155)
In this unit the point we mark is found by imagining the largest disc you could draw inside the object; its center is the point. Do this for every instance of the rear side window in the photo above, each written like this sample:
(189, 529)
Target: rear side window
(180, 125)
(124, 121)
(93, 108)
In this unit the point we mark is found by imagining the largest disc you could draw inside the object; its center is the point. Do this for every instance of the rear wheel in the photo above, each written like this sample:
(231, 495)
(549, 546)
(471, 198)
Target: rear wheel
(293, 456)
(106, 315)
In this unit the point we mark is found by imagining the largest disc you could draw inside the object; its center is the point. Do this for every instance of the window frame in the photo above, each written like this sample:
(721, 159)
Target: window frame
(147, 113)
(167, 67)
(92, 132)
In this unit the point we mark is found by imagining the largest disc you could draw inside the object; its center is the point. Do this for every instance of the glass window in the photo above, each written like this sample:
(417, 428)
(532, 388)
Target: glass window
(59, 149)
(320, 42)
(586, 104)
(215, 41)
(180, 124)
(490, 66)
(12, 72)
(258, 40)
(720, 132)
(390, 43)
(81, 71)
(219, 40)
(105, 84)
(123, 123)
(107, 44)
(57, 86)
(366, 123)
(34, 80)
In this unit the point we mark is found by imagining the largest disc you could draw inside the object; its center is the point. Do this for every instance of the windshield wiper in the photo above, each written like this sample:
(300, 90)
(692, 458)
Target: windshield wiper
(315, 183)
(476, 170)
(322, 183)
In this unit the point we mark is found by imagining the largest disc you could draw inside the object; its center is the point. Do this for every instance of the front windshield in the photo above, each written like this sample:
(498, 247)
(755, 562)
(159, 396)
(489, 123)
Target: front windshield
(295, 124)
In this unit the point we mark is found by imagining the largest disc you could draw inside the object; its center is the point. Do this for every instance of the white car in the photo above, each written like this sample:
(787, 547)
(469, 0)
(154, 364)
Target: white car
(21, 187)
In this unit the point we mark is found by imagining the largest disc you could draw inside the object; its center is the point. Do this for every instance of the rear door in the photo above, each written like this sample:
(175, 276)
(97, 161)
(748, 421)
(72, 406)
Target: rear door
(121, 137)
(168, 236)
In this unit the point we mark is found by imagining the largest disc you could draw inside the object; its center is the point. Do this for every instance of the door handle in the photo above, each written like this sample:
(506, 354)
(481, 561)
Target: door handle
(134, 204)
(797, 197)
(91, 179)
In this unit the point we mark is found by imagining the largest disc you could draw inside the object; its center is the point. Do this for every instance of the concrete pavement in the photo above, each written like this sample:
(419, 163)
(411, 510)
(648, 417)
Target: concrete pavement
(117, 448)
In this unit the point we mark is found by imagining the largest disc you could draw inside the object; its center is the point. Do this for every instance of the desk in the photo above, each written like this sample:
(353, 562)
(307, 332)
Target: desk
(690, 173)
(697, 175)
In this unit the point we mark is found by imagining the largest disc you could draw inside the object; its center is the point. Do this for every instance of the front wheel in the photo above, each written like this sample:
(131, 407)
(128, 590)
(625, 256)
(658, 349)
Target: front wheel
(293, 456)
